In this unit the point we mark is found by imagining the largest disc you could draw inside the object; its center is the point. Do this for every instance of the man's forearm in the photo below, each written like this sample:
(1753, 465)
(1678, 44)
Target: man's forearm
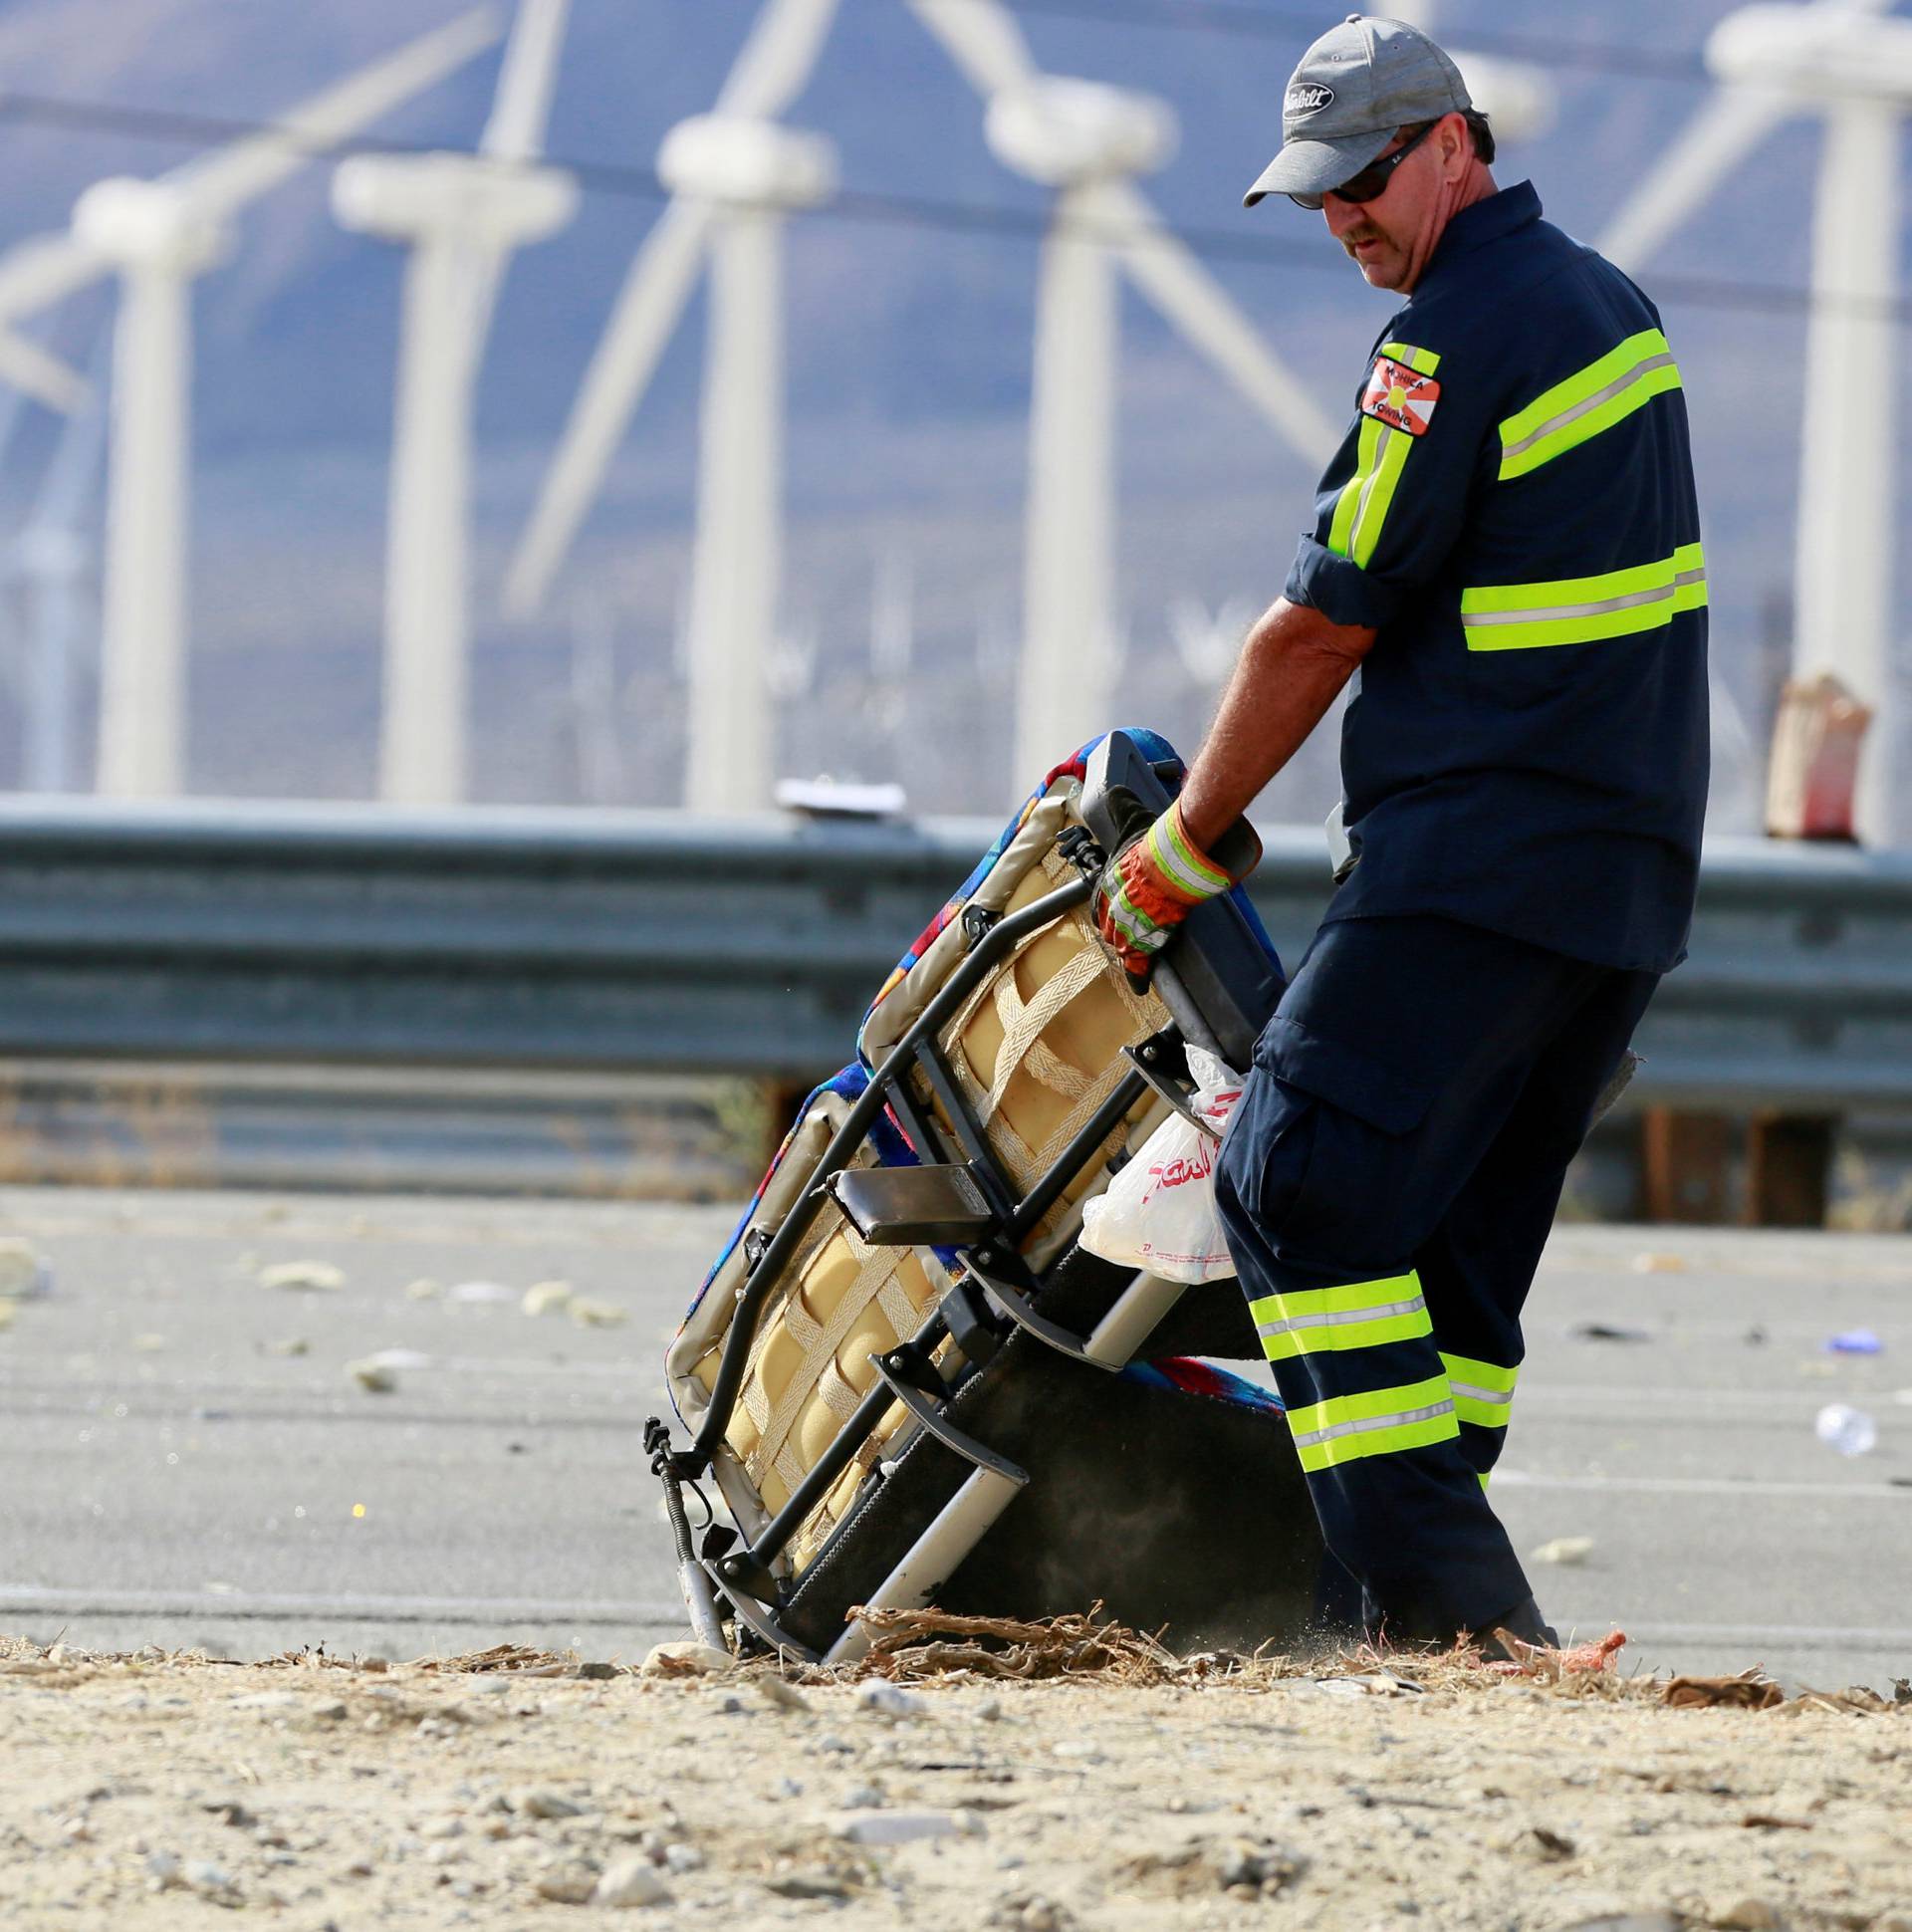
(1293, 667)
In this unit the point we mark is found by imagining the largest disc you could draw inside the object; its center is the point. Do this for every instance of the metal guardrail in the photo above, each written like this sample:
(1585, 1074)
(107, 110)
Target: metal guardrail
(502, 938)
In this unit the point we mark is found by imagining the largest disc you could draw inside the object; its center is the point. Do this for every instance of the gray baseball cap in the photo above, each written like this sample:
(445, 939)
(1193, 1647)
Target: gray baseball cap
(1354, 90)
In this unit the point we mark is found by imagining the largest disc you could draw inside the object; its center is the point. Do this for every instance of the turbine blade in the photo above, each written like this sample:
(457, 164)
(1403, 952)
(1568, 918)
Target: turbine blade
(777, 59)
(74, 465)
(32, 371)
(219, 183)
(520, 109)
(1725, 131)
(983, 39)
(39, 272)
(652, 298)
(1175, 280)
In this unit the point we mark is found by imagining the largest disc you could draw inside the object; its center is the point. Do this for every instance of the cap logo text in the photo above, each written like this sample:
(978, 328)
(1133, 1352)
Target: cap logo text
(1308, 97)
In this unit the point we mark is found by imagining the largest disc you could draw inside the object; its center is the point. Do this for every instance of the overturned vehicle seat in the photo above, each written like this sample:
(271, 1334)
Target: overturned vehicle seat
(907, 1379)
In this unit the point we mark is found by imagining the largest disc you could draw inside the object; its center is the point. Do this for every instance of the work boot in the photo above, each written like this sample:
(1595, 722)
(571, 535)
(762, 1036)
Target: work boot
(1525, 1623)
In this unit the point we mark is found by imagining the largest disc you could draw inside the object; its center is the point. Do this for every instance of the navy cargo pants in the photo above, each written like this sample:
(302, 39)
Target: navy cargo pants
(1387, 1184)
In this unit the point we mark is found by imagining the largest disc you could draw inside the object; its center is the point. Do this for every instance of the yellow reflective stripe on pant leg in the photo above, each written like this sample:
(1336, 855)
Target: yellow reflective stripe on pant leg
(1323, 1320)
(1483, 1390)
(1380, 1423)
(1584, 609)
(1592, 400)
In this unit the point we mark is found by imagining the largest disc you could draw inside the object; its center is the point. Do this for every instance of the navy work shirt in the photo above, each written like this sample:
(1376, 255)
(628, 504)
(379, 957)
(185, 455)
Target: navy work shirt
(1513, 511)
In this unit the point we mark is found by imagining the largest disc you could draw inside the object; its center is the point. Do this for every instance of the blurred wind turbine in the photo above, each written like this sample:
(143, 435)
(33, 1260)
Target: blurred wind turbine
(462, 216)
(734, 174)
(1517, 97)
(1840, 60)
(1088, 141)
(892, 617)
(158, 235)
(52, 559)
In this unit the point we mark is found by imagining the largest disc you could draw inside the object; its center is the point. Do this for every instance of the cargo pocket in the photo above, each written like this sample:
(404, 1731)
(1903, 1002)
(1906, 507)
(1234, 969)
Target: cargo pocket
(1351, 1204)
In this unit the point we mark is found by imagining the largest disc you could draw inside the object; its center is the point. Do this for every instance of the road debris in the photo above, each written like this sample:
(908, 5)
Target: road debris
(1750, 1690)
(548, 1297)
(303, 1277)
(1573, 1799)
(1848, 1430)
(1563, 1549)
(374, 1377)
(480, 1293)
(1854, 1341)
(629, 1882)
(1609, 1331)
(904, 1827)
(25, 1272)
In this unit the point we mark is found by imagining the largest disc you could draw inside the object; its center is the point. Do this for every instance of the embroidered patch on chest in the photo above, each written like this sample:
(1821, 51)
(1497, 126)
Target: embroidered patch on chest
(1400, 397)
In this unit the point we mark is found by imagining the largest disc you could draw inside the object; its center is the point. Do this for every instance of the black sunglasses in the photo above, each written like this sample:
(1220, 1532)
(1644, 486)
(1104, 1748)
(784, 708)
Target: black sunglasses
(1373, 181)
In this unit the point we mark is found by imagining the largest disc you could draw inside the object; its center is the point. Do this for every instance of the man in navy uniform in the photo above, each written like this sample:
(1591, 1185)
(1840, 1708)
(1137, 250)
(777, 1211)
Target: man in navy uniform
(1506, 554)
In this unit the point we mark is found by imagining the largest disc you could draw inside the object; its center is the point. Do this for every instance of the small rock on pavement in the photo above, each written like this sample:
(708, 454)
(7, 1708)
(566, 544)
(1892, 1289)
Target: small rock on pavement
(538, 1802)
(568, 1885)
(782, 1696)
(888, 1700)
(1749, 1915)
(1030, 1912)
(904, 1827)
(24, 1271)
(306, 1276)
(480, 1292)
(1632, 1923)
(808, 1884)
(202, 1876)
(1564, 1550)
(374, 1377)
(547, 1297)
(685, 1657)
(631, 1881)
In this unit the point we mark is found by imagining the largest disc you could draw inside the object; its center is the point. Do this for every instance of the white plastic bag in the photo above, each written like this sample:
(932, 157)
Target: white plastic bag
(1159, 1213)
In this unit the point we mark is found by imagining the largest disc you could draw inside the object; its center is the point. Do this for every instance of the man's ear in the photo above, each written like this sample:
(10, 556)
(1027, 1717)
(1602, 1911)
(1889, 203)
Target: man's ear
(1456, 144)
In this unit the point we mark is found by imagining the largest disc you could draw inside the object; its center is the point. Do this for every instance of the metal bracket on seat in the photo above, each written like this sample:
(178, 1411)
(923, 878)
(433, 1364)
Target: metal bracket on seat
(909, 1207)
(1014, 1305)
(929, 1413)
(758, 1621)
(1138, 1058)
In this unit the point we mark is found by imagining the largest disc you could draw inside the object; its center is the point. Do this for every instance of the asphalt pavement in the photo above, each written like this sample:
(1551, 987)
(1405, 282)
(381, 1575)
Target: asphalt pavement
(187, 1457)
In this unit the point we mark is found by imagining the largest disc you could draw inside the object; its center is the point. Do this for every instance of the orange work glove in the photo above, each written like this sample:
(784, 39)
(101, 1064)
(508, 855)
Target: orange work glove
(1155, 883)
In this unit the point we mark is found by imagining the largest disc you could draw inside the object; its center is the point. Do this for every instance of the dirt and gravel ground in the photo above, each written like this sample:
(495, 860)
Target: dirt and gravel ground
(151, 1790)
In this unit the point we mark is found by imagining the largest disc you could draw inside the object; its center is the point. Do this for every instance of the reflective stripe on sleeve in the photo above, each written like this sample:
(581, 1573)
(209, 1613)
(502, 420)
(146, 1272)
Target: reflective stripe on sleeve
(1379, 457)
(1483, 1390)
(1322, 1321)
(1574, 411)
(1584, 609)
(1382, 1422)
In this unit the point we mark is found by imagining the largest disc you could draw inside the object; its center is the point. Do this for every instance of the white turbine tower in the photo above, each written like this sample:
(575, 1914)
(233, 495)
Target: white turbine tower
(52, 560)
(1855, 69)
(1088, 141)
(461, 215)
(734, 175)
(157, 236)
